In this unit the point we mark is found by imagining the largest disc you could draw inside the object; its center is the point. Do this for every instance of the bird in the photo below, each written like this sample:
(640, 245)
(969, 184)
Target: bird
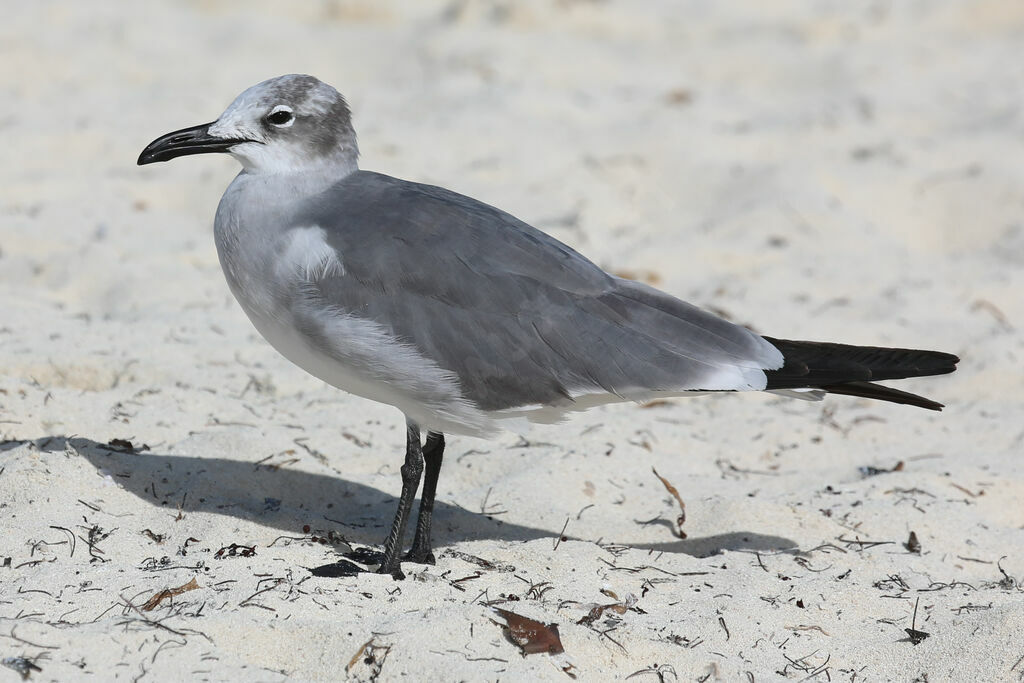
(465, 318)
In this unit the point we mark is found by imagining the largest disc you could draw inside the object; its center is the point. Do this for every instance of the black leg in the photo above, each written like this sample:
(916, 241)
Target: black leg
(411, 471)
(433, 454)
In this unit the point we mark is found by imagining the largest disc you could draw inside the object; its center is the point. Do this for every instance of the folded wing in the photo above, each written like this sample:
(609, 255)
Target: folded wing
(519, 318)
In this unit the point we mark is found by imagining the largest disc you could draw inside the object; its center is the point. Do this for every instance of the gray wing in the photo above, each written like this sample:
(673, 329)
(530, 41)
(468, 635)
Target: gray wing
(518, 317)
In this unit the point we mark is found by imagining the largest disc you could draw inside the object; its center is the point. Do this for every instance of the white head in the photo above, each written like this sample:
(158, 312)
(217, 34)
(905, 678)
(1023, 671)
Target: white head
(287, 124)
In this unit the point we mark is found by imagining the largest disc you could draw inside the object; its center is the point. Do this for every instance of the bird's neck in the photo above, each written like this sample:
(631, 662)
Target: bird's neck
(306, 182)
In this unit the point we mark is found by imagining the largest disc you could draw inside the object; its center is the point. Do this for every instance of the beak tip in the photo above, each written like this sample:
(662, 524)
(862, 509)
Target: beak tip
(194, 140)
(149, 156)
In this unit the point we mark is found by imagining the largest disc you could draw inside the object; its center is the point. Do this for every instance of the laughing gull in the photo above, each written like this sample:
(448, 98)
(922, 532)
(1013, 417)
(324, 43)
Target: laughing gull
(457, 313)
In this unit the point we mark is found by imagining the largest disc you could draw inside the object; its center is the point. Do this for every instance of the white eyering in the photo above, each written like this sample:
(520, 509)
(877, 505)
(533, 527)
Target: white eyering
(280, 108)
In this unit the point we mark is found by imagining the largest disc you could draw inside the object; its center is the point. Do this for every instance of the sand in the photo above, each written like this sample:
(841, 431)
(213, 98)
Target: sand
(836, 171)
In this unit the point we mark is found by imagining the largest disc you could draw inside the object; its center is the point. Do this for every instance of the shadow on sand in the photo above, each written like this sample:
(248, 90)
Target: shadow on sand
(287, 499)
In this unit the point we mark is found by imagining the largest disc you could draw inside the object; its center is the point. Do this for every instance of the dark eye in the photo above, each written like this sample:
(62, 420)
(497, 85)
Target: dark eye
(280, 117)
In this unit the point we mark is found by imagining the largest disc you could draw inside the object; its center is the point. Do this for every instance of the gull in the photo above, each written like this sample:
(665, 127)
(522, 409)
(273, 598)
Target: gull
(460, 315)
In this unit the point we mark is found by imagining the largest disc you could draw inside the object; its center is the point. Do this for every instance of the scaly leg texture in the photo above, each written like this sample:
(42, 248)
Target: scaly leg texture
(433, 454)
(411, 471)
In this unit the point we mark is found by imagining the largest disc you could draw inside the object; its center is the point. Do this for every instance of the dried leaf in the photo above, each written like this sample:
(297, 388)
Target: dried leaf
(681, 519)
(154, 601)
(531, 635)
(599, 610)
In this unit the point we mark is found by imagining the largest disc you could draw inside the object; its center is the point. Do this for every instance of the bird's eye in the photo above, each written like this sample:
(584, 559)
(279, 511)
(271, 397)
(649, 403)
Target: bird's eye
(280, 117)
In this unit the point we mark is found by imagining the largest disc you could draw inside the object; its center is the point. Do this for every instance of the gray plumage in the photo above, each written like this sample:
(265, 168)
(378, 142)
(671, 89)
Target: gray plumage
(455, 312)
(520, 318)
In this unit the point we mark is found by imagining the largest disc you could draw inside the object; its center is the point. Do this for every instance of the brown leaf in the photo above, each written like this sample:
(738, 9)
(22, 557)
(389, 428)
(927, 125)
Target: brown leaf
(681, 519)
(597, 611)
(154, 601)
(531, 635)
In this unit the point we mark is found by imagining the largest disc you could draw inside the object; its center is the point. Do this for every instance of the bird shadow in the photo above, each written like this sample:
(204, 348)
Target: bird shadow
(289, 499)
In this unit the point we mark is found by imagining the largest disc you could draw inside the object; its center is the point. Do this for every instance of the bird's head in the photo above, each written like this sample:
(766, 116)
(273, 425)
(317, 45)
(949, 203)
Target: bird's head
(287, 124)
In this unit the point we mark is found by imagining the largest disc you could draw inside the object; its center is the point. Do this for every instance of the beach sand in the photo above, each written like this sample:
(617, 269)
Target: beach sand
(834, 171)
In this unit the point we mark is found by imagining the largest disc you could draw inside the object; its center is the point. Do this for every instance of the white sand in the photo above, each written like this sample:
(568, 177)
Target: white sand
(841, 171)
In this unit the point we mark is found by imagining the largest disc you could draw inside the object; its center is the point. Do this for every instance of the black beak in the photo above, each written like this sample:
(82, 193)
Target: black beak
(194, 140)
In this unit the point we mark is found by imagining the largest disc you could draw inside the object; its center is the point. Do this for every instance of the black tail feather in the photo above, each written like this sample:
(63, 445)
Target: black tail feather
(880, 393)
(850, 370)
